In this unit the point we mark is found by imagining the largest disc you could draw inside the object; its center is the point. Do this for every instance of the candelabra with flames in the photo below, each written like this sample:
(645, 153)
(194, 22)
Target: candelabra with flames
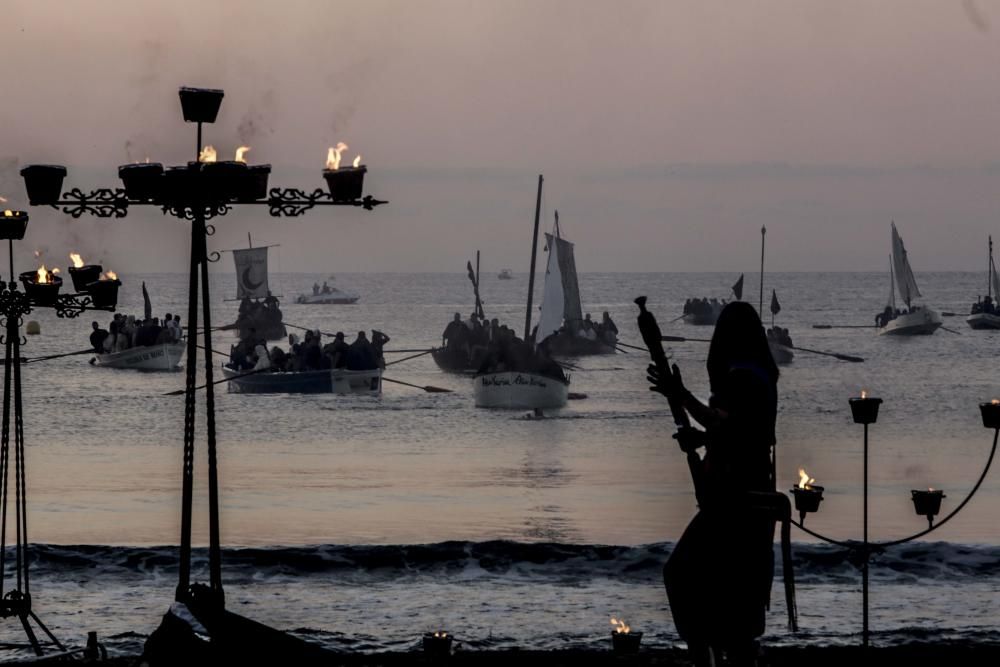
(93, 290)
(926, 503)
(198, 191)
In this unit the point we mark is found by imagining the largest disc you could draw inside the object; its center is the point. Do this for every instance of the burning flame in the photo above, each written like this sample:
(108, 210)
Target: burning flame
(55, 271)
(77, 260)
(42, 276)
(207, 154)
(38, 254)
(864, 394)
(440, 634)
(333, 155)
(805, 481)
(8, 213)
(108, 275)
(357, 161)
(241, 153)
(621, 627)
(995, 401)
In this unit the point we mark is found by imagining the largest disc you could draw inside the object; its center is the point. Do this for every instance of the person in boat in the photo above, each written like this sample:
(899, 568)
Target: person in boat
(361, 354)
(608, 329)
(315, 289)
(379, 340)
(97, 337)
(271, 301)
(718, 577)
(326, 288)
(456, 333)
(339, 350)
(263, 359)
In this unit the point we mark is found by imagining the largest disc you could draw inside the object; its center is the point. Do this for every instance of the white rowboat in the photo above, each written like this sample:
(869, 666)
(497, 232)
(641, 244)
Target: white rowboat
(525, 391)
(163, 357)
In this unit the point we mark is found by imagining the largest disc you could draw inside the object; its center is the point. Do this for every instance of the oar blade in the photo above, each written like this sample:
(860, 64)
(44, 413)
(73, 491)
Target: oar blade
(431, 389)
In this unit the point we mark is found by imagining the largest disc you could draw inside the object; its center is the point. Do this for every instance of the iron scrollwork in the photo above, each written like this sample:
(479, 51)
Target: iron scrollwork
(103, 203)
(293, 202)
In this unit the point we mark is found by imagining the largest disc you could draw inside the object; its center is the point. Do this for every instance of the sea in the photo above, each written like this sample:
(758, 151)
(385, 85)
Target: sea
(362, 522)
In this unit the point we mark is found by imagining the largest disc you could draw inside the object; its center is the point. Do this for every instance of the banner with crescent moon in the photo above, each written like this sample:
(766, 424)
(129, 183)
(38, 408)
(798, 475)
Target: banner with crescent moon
(251, 273)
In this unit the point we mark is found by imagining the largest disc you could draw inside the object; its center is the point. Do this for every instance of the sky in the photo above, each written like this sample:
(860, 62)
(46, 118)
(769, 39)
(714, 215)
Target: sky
(668, 132)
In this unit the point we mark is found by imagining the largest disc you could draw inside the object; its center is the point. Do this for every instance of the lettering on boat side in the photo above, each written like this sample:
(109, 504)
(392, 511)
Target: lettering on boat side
(506, 381)
(145, 356)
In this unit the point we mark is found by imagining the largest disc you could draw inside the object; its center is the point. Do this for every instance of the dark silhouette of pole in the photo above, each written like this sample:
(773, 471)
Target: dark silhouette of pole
(534, 253)
(760, 305)
(865, 555)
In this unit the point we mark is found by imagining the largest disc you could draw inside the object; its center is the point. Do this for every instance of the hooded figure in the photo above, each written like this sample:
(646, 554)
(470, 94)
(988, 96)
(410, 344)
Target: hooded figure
(718, 578)
(263, 361)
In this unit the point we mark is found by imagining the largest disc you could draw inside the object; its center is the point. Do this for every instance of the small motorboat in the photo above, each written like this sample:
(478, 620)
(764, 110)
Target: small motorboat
(505, 274)
(334, 381)
(162, 357)
(333, 297)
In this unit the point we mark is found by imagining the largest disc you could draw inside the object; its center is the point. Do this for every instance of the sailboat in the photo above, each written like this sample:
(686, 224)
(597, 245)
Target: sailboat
(259, 318)
(778, 338)
(985, 314)
(561, 325)
(914, 320)
(522, 375)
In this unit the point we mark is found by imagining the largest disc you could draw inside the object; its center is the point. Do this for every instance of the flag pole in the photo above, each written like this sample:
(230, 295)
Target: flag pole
(760, 305)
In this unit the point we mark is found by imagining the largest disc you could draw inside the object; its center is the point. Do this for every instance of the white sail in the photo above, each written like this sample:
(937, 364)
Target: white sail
(905, 281)
(251, 272)
(551, 318)
(892, 287)
(995, 280)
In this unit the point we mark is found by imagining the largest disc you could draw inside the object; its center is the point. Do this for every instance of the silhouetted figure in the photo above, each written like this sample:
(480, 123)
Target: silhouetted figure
(718, 578)
(361, 354)
(97, 337)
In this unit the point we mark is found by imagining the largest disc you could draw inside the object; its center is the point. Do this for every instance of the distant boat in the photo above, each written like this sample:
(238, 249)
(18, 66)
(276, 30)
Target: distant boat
(985, 314)
(162, 357)
(331, 381)
(561, 325)
(261, 318)
(915, 320)
(505, 274)
(327, 295)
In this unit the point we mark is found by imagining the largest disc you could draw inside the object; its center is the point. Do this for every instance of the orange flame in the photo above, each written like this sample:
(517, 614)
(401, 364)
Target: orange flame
(42, 277)
(77, 260)
(241, 153)
(108, 275)
(805, 481)
(864, 394)
(440, 634)
(207, 154)
(357, 162)
(621, 627)
(8, 213)
(995, 401)
(333, 155)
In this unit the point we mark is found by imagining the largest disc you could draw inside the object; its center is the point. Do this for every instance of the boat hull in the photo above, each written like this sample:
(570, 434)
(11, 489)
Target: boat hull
(164, 357)
(340, 299)
(513, 390)
(454, 360)
(563, 345)
(337, 381)
(983, 321)
(923, 322)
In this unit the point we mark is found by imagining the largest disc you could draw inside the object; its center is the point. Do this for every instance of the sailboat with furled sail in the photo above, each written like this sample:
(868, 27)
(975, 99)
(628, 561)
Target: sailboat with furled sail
(562, 327)
(913, 320)
(259, 315)
(984, 313)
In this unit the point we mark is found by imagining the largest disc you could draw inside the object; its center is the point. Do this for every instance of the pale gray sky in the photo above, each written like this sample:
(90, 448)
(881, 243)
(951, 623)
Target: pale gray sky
(668, 131)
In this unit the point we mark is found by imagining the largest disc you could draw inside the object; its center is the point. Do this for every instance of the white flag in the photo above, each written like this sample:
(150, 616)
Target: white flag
(251, 273)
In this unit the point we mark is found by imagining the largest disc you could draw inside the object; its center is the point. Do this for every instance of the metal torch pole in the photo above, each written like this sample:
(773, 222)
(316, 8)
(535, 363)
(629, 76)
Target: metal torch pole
(864, 562)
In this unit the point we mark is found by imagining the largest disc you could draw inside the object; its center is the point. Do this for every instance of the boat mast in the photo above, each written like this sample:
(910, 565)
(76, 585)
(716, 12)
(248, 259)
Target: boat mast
(760, 305)
(534, 253)
(989, 272)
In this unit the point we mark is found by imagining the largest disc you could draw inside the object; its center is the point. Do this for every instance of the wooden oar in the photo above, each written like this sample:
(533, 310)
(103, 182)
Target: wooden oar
(844, 326)
(180, 392)
(428, 388)
(296, 326)
(835, 355)
(89, 350)
(620, 349)
(633, 347)
(399, 361)
(405, 351)
(957, 333)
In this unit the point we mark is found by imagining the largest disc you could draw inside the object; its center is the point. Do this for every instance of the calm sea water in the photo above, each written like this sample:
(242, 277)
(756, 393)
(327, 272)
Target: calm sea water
(325, 499)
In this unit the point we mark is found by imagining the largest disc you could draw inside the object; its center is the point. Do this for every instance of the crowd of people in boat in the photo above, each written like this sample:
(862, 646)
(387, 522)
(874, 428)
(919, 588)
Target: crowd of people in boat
(127, 331)
(605, 331)
(986, 305)
(495, 347)
(310, 353)
(259, 314)
(890, 313)
(703, 307)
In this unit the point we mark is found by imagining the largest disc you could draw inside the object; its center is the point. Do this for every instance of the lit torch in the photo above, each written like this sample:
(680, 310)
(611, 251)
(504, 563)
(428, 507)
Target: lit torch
(807, 495)
(334, 155)
(241, 153)
(207, 154)
(623, 640)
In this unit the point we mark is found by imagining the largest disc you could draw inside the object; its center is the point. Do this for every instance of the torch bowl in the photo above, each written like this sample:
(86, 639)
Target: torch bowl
(41, 294)
(438, 645)
(200, 105)
(865, 410)
(346, 183)
(927, 502)
(13, 225)
(43, 183)
(625, 642)
(104, 293)
(991, 414)
(83, 276)
(178, 185)
(253, 184)
(807, 500)
(223, 181)
(142, 180)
